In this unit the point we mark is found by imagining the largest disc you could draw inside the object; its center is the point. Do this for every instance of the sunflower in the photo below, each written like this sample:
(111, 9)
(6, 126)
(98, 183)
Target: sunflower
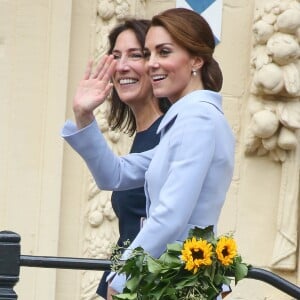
(196, 253)
(226, 250)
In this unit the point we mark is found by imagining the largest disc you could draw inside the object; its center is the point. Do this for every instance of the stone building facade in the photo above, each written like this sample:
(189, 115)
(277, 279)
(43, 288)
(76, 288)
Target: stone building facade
(46, 192)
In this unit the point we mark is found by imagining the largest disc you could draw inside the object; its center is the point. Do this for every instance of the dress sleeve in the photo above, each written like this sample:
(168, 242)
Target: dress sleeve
(110, 171)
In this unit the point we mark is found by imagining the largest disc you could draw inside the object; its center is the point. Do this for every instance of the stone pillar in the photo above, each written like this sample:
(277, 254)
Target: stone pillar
(34, 59)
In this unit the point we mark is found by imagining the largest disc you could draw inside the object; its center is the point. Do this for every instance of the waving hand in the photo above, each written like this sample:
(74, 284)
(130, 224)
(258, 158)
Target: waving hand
(93, 90)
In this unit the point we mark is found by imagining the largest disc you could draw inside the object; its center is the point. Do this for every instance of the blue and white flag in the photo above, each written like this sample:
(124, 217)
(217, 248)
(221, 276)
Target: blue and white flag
(211, 10)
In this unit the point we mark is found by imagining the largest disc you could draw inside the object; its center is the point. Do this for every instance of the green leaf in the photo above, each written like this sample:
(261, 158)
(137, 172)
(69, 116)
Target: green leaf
(148, 282)
(134, 264)
(133, 282)
(127, 296)
(240, 272)
(159, 292)
(153, 265)
(206, 233)
(220, 279)
(186, 282)
(175, 247)
(170, 259)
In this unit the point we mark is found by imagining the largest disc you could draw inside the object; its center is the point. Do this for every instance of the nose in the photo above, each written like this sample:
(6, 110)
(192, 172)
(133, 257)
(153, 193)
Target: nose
(122, 64)
(152, 62)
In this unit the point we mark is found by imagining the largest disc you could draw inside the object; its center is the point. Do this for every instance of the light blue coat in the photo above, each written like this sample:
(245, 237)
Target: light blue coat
(186, 176)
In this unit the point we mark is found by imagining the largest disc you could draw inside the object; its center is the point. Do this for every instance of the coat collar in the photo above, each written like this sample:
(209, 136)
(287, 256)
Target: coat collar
(211, 97)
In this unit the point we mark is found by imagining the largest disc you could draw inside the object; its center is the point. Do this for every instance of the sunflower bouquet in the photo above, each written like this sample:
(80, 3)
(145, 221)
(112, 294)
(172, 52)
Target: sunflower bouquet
(195, 269)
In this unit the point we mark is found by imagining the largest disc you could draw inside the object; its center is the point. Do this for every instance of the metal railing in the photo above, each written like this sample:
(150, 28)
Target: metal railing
(11, 260)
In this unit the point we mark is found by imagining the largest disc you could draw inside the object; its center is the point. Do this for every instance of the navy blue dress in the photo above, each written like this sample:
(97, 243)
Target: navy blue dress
(130, 205)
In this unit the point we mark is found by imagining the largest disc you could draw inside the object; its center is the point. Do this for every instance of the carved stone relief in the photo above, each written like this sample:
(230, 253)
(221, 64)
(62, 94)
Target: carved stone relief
(100, 229)
(274, 108)
(275, 92)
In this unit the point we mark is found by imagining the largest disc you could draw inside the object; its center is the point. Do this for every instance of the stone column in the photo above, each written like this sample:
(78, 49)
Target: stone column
(34, 57)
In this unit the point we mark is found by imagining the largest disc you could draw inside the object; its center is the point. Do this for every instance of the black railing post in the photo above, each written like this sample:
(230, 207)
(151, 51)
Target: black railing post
(9, 264)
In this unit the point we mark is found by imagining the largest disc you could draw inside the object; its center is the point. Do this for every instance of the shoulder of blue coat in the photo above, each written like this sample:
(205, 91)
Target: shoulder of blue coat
(189, 105)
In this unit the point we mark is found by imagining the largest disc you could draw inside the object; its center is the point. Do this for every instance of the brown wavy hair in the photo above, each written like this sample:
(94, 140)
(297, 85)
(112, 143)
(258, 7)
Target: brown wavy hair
(192, 32)
(120, 115)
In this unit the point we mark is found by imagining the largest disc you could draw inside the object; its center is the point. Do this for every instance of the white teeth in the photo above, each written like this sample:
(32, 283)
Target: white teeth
(127, 81)
(158, 77)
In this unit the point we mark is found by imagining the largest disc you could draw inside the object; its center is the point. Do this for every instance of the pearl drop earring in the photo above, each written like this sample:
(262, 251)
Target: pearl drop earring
(194, 72)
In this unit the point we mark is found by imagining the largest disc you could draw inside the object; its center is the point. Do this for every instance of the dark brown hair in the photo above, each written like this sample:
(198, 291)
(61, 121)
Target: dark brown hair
(192, 32)
(120, 115)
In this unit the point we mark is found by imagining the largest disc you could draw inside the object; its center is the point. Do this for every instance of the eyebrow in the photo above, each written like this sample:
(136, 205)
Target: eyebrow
(161, 45)
(128, 50)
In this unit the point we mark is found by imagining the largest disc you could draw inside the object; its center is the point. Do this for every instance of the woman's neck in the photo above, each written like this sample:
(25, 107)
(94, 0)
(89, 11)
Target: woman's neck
(146, 114)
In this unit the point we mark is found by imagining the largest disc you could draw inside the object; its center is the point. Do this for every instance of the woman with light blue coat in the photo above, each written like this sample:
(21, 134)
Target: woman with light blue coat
(187, 175)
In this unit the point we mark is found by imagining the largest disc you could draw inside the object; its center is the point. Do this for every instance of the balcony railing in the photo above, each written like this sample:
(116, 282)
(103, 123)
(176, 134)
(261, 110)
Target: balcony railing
(11, 260)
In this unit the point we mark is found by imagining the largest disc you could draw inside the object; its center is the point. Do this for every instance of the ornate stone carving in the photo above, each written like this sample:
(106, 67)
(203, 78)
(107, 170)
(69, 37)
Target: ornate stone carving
(275, 91)
(274, 108)
(284, 255)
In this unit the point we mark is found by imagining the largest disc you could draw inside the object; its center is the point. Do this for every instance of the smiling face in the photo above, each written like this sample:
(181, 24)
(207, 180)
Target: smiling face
(131, 81)
(170, 66)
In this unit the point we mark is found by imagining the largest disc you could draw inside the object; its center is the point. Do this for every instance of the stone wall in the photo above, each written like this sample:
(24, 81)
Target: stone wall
(48, 196)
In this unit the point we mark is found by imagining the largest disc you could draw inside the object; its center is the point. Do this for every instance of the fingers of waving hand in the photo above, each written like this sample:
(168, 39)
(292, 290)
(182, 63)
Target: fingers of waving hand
(91, 93)
(96, 85)
(89, 73)
(88, 70)
(103, 74)
(100, 78)
(104, 69)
